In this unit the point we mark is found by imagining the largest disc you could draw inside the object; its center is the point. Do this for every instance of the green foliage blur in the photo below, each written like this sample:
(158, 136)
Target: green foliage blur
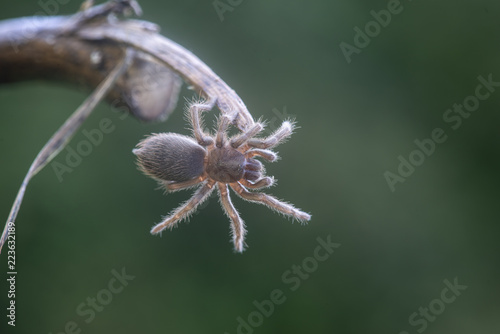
(399, 250)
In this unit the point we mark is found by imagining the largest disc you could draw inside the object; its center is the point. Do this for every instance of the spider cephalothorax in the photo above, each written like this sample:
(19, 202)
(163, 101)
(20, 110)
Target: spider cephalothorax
(180, 162)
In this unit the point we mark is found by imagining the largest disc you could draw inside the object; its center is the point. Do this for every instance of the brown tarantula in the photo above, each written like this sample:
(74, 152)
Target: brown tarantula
(180, 162)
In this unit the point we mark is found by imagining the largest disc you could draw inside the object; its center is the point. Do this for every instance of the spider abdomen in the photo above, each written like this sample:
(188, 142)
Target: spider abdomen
(171, 157)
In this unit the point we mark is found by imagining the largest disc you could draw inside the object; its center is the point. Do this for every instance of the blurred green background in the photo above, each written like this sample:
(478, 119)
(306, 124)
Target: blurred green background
(355, 119)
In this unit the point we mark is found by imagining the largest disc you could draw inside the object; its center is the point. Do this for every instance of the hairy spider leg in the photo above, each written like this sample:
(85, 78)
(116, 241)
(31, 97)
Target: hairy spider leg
(186, 208)
(262, 183)
(174, 186)
(221, 132)
(242, 138)
(285, 131)
(266, 154)
(194, 112)
(271, 202)
(238, 230)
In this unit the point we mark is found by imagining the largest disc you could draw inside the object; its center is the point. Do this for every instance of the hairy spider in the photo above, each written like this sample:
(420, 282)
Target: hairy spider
(180, 162)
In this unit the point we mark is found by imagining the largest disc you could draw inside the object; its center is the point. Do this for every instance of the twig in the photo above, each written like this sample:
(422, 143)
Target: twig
(183, 62)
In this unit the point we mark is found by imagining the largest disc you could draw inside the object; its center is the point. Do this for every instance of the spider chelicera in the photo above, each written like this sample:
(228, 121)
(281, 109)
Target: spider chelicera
(180, 162)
